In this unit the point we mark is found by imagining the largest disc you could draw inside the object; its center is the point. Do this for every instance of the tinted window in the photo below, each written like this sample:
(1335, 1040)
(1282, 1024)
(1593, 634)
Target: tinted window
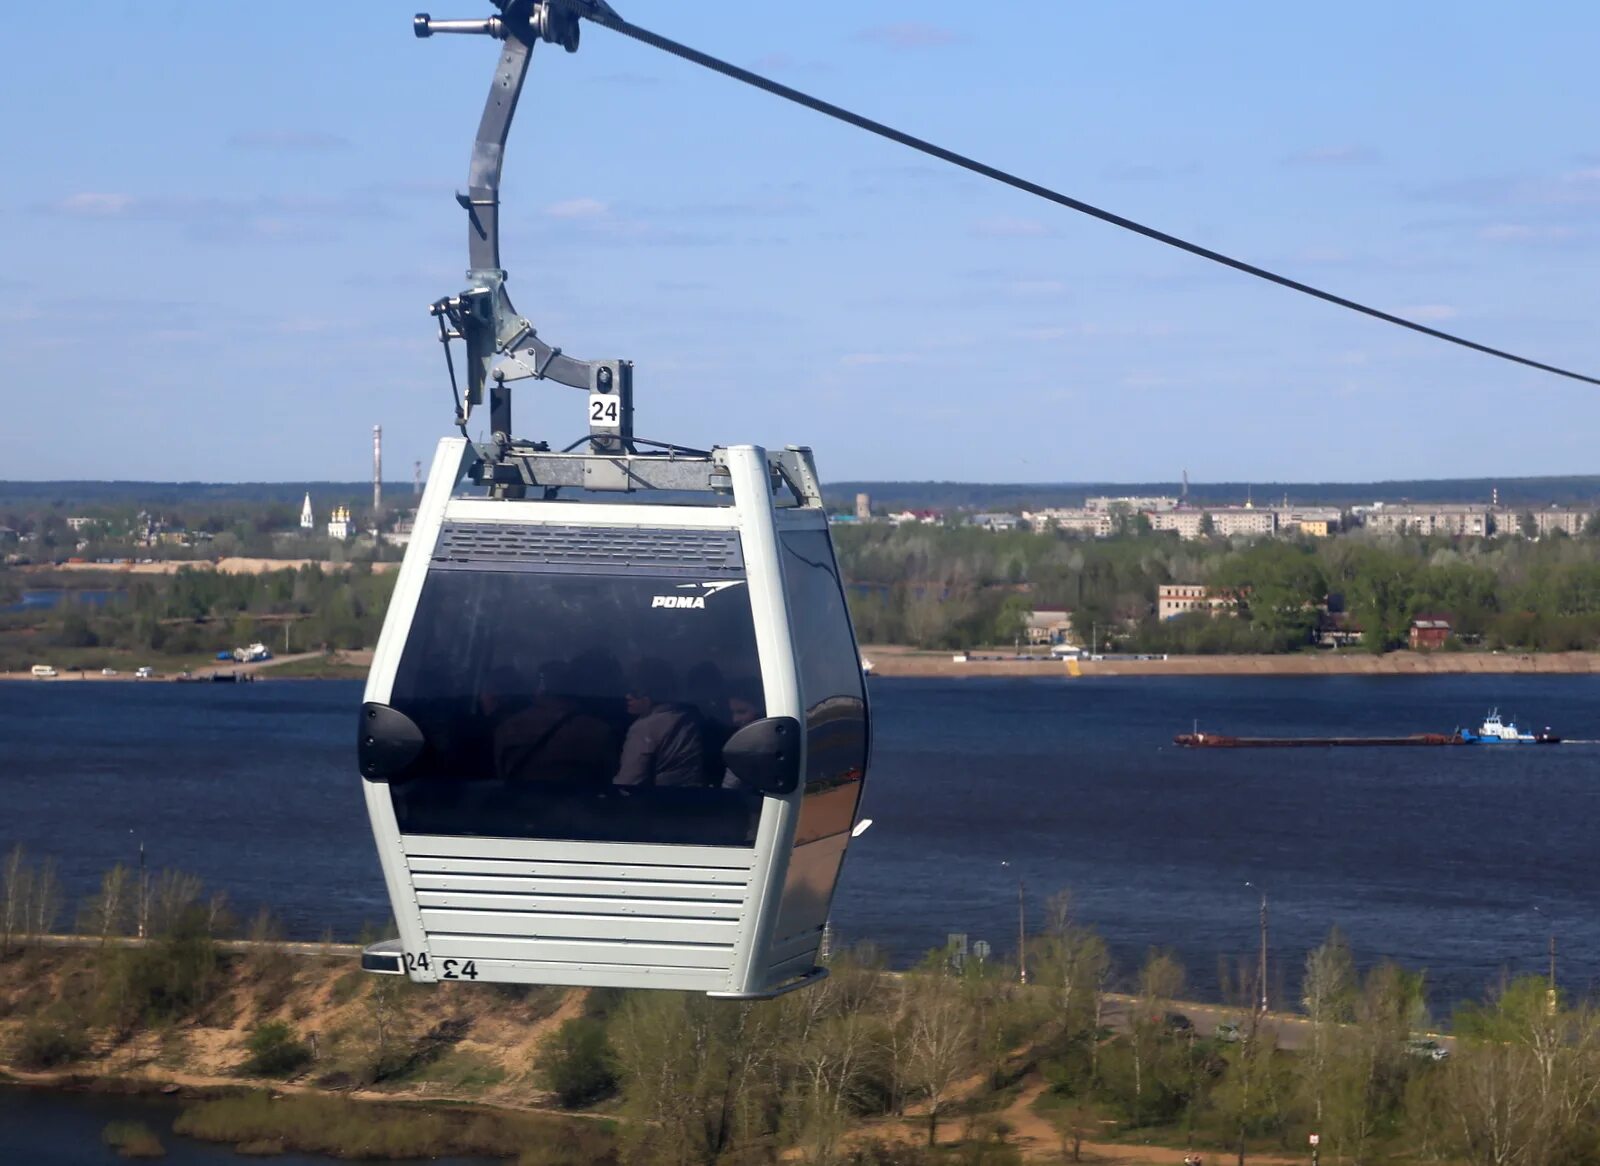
(578, 706)
(830, 674)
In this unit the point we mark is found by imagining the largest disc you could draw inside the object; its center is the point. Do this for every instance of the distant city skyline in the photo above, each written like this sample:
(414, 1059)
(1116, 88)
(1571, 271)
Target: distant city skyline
(218, 261)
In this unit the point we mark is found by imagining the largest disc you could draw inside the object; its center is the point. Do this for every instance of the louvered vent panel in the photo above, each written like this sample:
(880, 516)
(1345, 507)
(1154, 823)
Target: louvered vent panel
(563, 903)
(708, 552)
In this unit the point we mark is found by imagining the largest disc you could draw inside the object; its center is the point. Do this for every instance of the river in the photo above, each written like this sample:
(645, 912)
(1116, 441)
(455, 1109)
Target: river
(38, 1128)
(1434, 857)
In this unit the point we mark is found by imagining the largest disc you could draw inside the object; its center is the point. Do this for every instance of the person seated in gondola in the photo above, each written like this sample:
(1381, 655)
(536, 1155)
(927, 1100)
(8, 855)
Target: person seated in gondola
(555, 739)
(744, 707)
(664, 745)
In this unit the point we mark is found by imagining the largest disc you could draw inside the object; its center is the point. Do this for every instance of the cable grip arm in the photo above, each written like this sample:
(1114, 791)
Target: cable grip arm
(483, 316)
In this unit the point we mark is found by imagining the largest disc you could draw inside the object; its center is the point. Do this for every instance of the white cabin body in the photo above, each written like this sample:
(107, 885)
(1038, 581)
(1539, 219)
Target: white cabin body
(560, 826)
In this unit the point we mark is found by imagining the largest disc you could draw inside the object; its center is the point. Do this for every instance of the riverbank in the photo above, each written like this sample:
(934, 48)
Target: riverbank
(350, 665)
(890, 660)
(377, 1067)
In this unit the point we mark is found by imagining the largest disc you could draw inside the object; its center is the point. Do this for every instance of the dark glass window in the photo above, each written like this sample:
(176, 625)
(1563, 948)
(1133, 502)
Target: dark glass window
(578, 706)
(830, 674)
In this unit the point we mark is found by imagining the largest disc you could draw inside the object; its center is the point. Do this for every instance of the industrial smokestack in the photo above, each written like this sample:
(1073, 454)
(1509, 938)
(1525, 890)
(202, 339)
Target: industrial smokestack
(377, 471)
(416, 477)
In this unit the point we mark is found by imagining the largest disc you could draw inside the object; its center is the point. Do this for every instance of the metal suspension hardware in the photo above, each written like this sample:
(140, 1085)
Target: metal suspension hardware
(482, 317)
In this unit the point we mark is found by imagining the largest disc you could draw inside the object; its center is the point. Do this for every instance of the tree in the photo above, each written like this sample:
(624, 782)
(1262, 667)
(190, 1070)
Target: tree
(577, 1065)
(1160, 981)
(1527, 524)
(1328, 994)
(695, 1074)
(276, 1050)
(1523, 1088)
(16, 897)
(939, 1044)
(1250, 1099)
(1370, 1068)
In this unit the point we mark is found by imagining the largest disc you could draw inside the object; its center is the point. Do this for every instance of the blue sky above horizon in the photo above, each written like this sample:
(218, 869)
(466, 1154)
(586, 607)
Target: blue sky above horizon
(219, 239)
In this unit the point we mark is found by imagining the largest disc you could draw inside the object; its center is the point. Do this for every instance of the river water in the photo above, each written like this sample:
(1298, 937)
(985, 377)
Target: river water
(1435, 857)
(64, 1129)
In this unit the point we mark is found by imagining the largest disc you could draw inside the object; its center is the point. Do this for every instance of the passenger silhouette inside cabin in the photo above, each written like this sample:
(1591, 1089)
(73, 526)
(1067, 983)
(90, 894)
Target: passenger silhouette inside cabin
(665, 744)
(555, 738)
(744, 707)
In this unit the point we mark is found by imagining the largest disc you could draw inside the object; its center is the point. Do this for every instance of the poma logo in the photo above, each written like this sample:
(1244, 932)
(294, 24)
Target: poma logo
(707, 590)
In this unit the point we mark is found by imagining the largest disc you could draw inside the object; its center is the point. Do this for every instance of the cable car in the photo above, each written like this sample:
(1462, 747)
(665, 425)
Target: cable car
(615, 729)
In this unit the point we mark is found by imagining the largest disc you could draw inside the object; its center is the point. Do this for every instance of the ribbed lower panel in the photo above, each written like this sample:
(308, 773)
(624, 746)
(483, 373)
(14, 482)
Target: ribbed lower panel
(569, 912)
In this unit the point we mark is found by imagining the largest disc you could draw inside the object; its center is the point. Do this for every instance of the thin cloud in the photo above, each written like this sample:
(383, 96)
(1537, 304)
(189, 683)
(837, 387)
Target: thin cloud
(94, 205)
(769, 204)
(273, 218)
(1152, 171)
(632, 80)
(1036, 288)
(909, 34)
(289, 141)
(865, 359)
(1346, 155)
(1555, 193)
(1323, 256)
(1011, 228)
(578, 208)
(1428, 313)
(1529, 234)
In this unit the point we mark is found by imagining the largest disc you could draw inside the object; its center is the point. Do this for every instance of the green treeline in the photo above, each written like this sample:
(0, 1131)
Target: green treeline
(957, 587)
(868, 1066)
(200, 611)
(954, 587)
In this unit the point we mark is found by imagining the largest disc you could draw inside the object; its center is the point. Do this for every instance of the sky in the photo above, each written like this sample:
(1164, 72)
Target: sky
(220, 226)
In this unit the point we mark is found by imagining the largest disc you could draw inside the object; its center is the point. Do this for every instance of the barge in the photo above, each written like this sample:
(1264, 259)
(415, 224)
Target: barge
(1223, 741)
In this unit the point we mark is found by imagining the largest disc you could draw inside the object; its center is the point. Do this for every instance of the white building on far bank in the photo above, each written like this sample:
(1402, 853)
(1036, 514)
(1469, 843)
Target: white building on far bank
(339, 523)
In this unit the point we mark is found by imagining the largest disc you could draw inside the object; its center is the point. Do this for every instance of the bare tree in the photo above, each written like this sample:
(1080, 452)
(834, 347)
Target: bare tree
(1523, 1087)
(696, 1074)
(109, 912)
(168, 900)
(939, 1043)
(1160, 982)
(1369, 1067)
(1328, 993)
(46, 908)
(16, 897)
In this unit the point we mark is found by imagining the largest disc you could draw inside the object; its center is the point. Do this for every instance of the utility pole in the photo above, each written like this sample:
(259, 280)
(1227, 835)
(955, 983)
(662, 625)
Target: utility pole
(1021, 933)
(1550, 994)
(144, 893)
(1262, 971)
(1022, 930)
(1550, 989)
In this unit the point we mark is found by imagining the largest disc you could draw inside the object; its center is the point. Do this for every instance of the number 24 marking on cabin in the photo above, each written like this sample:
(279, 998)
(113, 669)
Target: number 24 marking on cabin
(448, 969)
(602, 409)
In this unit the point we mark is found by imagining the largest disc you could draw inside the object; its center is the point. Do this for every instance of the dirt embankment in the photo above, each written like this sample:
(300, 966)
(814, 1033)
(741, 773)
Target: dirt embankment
(227, 566)
(299, 665)
(897, 661)
(464, 1043)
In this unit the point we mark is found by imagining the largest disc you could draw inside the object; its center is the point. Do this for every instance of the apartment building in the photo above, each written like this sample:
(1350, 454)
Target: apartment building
(1175, 599)
(1451, 518)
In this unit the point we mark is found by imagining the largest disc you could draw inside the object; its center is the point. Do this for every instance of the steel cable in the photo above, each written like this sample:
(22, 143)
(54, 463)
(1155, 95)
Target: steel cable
(828, 109)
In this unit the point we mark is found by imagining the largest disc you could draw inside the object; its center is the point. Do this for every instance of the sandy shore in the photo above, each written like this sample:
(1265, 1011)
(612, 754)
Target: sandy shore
(168, 671)
(897, 661)
(228, 566)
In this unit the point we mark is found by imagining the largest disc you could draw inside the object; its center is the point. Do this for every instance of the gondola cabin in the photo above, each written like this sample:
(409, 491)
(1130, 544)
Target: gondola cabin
(613, 741)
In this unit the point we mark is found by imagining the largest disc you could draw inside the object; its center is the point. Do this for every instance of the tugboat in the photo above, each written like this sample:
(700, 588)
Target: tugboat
(1494, 731)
